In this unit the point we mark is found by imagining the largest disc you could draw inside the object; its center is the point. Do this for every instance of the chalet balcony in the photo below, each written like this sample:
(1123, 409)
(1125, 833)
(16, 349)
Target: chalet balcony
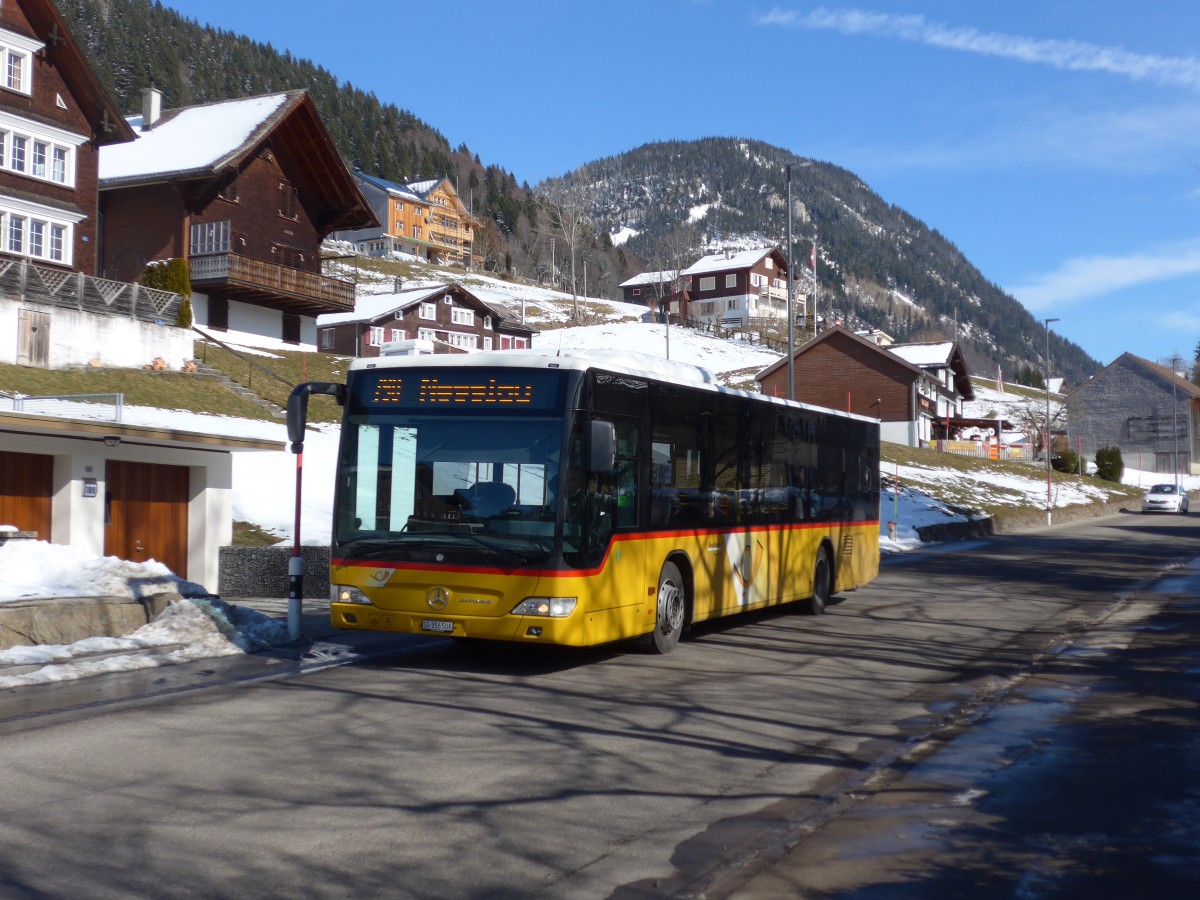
(255, 281)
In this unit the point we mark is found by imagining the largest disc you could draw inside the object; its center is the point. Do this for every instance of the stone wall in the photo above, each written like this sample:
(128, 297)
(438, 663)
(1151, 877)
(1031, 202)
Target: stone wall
(263, 572)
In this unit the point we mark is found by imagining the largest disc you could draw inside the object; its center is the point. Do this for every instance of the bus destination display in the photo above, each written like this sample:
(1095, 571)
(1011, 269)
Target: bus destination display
(474, 390)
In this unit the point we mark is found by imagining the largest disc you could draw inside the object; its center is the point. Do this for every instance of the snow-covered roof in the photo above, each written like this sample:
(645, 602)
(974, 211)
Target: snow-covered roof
(372, 307)
(400, 191)
(196, 138)
(719, 262)
(423, 187)
(932, 354)
(648, 278)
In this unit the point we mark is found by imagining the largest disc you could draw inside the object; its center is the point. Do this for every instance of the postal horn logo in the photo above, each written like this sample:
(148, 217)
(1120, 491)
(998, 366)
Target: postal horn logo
(438, 598)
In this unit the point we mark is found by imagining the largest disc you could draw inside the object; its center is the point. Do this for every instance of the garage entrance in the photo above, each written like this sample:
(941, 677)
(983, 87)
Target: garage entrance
(145, 513)
(26, 488)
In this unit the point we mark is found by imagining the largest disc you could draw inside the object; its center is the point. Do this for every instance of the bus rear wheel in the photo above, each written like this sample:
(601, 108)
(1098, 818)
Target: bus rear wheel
(822, 583)
(671, 609)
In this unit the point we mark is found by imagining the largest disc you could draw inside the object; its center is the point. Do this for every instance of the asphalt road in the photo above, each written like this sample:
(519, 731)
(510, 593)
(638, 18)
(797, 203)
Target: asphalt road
(949, 730)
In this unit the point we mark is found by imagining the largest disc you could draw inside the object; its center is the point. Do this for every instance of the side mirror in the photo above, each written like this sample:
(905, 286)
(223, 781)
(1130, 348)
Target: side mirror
(602, 444)
(297, 407)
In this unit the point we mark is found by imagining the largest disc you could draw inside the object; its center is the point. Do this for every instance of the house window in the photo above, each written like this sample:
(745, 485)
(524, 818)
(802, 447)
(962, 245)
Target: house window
(327, 338)
(769, 263)
(708, 283)
(428, 311)
(16, 158)
(487, 343)
(636, 292)
(396, 334)
(518, 343)
(35, 157)
(16, 69)
(15, 238)
(487, 322)
(731, 281)
(757, 280)
(58, 241)
(230, 190)
(416, 231)
(732, 304)
(58, 171)
(291, 257)
(463, 341)
(36, 236)
(462, 316)
(289, 204)
(210, 237)
(427, 334)
(375, 337)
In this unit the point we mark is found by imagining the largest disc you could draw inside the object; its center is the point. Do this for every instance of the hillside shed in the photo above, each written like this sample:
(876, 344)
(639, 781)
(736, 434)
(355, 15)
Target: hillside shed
(1148, 411)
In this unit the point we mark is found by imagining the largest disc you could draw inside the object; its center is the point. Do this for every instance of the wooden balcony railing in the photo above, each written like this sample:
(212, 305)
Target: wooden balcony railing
(242, 271)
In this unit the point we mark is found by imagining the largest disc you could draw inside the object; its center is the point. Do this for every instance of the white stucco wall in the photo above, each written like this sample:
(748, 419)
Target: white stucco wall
(255, 326)
(77, 338)
(78, 521)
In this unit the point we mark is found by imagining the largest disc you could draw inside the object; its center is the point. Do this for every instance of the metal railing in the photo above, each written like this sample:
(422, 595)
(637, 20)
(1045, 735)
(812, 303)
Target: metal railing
(251, 364)
(63, 404)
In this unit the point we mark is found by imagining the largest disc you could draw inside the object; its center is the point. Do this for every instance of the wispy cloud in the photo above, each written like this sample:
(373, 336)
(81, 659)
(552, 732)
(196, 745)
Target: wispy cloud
(1086, 278)
(1071, 55)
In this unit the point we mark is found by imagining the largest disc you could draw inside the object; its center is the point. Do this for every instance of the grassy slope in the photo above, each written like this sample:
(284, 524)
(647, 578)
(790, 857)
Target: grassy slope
(165, 390)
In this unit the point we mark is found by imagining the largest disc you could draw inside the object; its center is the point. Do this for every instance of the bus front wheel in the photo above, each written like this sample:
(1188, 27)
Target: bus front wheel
(822, 582)
(672, 606)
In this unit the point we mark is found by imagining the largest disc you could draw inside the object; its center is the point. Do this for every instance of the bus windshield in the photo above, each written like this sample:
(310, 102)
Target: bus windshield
(479, 489)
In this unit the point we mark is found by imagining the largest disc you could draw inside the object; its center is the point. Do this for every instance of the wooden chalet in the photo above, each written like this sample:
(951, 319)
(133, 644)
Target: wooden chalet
(839, 369)
(448, 316)
(54, 118)
(737, 289)
(244, 190)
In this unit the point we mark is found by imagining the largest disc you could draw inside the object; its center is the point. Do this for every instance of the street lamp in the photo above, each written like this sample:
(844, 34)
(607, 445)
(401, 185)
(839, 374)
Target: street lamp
(791, 284)
(1049, 495)
(1175, 418)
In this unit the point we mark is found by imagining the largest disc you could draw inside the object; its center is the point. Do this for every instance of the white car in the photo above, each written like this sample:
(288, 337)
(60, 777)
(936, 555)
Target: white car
(1168, 498)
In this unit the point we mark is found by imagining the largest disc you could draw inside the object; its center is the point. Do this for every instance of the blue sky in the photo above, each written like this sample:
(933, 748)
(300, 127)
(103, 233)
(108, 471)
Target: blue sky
(1057, 145)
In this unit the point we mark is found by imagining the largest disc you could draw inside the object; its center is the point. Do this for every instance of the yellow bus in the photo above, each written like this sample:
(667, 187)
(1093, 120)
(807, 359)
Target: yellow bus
(586, 498)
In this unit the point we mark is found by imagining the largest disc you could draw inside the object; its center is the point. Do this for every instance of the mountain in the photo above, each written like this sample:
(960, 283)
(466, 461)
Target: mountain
(878, 266)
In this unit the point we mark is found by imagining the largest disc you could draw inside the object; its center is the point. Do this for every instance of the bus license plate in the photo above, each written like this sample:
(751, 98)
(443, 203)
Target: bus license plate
(437, 625)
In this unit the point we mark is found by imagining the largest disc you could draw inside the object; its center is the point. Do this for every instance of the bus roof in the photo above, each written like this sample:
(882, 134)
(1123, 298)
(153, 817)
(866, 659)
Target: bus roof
(623, 362)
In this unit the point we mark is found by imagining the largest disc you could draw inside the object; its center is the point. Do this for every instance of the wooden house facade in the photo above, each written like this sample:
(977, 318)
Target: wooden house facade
(734, 289)
(424, 219)
(244, 190)
(1148, 411)
(54, 118)
(449, 317)
(841, 370)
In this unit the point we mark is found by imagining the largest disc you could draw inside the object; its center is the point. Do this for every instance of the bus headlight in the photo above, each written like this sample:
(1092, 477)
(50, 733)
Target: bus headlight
(344, 593)
(551, 607)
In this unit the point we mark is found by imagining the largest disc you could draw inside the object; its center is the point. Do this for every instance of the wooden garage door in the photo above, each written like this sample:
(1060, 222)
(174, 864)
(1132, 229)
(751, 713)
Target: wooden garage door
(26, 486)
(146, 513)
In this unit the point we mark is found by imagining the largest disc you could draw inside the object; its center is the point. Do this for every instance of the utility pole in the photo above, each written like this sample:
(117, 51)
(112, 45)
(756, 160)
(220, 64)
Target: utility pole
(1049, 494)
(791, 285)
